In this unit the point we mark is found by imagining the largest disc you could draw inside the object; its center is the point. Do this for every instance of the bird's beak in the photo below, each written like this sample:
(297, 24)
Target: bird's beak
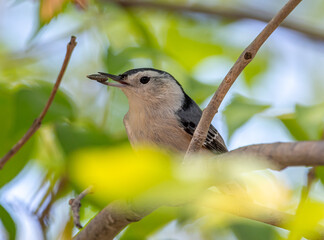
(103, 78)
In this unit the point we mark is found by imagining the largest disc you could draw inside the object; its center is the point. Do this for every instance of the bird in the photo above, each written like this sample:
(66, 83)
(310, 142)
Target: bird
(160, 112)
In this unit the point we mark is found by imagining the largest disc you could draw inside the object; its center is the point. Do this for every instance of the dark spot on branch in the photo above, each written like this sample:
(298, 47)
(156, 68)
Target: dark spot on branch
(248, 56)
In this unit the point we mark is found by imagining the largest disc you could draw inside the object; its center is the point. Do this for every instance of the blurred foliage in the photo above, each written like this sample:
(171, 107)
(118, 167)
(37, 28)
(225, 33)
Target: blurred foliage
(82, 140)
(307, 123)
(8, 223)
(249, 230)
(239, 111)
(150, 224)
(306, 220)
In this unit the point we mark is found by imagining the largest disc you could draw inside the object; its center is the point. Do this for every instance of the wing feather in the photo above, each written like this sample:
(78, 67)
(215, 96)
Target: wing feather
(189, 115)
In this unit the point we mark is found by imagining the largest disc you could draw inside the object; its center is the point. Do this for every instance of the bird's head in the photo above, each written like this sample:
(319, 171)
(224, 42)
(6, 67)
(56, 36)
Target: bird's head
(146, 86)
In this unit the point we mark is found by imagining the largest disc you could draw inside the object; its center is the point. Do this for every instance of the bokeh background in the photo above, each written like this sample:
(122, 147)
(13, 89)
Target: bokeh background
(278, 97)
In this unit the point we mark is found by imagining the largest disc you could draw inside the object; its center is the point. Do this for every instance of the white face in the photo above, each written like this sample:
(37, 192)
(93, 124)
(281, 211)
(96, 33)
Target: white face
(152, 87)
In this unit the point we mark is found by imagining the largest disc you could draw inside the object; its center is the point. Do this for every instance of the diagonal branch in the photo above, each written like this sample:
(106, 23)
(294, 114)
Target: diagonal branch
(229, 13)
(245, 58)
(38, 121)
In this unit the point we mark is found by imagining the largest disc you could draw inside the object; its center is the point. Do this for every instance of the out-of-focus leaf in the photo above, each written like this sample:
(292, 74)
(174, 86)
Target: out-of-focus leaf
(150, 176)
(239, 111)
(17, 162)
(16, 66)
(8, 223)
(119, 172)
(198, 91)
(9, 137)
(306, 220)
(20, 107)
(311, 118)
(293, 127)
(50, 8)
(307, 123)
(189, 44)
(7, 112)
(30, 101)
(73, 138)
(148, 39)
(248, 230)
(319, 170)
(255, 69)
(118, 63)
(150, 224)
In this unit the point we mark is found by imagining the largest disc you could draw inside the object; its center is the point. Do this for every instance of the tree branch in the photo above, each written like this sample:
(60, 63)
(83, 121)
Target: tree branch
(309, 153)
(110, 221)
(38, 121)
(75, 204)
(235, 14)
(245, 58)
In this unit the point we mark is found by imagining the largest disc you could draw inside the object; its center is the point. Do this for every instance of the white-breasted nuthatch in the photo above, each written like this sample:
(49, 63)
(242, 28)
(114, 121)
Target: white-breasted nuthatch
(160, 112)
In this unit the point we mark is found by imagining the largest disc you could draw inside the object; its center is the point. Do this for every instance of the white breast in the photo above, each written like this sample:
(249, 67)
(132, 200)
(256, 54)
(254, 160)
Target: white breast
(152, 129)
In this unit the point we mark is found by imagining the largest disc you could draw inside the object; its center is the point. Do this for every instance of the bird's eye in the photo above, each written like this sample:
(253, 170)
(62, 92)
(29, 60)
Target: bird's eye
(144, 80)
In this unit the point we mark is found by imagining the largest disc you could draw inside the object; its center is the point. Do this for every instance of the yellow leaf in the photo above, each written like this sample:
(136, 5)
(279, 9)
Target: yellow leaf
(120, 172)
(307, 219)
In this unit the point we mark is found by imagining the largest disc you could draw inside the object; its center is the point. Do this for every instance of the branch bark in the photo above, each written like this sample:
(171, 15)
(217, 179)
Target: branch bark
(234, 14)
(308, 153)
(245, 58)
(75, 204)
(38, 121)
(111, 220)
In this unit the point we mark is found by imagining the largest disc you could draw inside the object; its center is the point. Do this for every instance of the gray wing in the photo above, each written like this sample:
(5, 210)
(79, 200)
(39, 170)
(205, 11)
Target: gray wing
(189, 115)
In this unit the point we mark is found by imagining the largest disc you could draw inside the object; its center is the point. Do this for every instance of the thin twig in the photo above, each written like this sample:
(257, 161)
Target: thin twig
(75, 204)
(229, 13)
(38, 121)
(245, 58)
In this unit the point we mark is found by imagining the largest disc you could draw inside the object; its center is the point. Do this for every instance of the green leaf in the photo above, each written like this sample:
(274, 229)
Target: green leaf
(19, 108)
(198, 91)
(239, 111)
(307, 123)
(249, 230)
(150, 224)
(118, 63)
(190, 43)
(319, 170)
(73, 138)
(8, 137)
(293, 127)
(311, 118)
(8, 223)
(30, 101)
